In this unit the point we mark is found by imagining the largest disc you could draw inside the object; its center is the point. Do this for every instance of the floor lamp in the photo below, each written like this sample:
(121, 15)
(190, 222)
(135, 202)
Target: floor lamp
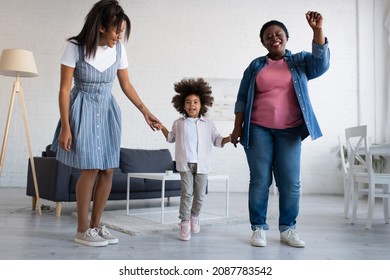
(19, 63)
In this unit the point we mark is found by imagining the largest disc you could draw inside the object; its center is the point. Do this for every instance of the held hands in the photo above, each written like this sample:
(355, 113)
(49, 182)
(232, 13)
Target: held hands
(152, 121)
(226, 140)
(158, 126)
(162, 128)
(235, 137)
(314, 19)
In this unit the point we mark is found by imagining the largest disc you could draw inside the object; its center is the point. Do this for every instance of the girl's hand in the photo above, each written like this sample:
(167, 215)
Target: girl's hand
(226, 140)
(314, 19)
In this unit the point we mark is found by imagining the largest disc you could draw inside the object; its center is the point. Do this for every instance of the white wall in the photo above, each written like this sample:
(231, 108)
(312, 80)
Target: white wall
(173, 39)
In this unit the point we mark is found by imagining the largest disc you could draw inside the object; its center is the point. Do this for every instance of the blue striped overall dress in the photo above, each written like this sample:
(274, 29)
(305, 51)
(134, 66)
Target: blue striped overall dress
(94, 117)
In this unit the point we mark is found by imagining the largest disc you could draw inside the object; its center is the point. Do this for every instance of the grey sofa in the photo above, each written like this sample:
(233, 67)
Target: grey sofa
(57, 182)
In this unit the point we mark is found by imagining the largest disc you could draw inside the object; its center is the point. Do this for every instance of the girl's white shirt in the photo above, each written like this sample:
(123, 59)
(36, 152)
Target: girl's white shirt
(104, 58)
(191, 139)
(207, 137)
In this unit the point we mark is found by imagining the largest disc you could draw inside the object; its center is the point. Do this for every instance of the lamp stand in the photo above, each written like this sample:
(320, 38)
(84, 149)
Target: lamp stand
(17, 89)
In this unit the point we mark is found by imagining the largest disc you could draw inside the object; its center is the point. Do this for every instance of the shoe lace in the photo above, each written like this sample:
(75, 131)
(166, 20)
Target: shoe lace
(184, 225)
(104, 231)
(259, 232)
(91, 232)
(292, 234)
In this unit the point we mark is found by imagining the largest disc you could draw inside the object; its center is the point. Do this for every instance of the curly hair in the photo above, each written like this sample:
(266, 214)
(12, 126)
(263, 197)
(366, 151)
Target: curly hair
(188, 87)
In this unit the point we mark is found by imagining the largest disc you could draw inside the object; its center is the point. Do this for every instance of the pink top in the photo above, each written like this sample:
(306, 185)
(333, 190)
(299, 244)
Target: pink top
(275, 104)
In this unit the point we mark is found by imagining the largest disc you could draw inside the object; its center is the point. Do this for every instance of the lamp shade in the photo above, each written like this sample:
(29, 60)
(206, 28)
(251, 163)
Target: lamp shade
(18, 62)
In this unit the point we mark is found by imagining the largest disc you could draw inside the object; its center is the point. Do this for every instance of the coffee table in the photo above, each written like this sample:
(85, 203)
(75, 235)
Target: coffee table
(163, 177)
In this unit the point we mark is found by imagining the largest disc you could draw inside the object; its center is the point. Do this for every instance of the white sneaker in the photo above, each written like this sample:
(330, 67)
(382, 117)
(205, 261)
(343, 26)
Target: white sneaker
(90, 238)
(185, 230)
(195, 224)
(105, 234)
(292, 238)
(258, 238)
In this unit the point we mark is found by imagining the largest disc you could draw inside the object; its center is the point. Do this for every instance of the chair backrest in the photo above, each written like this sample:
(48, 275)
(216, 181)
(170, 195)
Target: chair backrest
(359, 158)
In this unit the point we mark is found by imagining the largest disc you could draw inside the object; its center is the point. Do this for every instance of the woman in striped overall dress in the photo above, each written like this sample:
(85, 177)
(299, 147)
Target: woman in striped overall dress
(89, 132)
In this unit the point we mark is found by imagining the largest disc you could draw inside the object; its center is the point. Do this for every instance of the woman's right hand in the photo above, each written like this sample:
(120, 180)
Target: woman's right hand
(65, 139)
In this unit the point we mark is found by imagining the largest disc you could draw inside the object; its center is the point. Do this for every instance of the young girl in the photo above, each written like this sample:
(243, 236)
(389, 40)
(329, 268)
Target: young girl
(194, 136)
(89, 132)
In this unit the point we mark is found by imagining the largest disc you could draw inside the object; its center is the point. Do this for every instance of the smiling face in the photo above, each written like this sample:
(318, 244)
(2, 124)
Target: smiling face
(274, 40)
(192, 106)
(110, 36)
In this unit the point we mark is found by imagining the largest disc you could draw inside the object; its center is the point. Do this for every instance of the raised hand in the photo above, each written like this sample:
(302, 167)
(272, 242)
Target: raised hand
(314, 19)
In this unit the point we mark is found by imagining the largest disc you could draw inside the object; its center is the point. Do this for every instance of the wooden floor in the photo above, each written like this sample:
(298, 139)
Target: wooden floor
(25, 235)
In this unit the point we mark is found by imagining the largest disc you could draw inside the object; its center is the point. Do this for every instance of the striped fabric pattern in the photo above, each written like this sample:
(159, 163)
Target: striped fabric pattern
(95, 118)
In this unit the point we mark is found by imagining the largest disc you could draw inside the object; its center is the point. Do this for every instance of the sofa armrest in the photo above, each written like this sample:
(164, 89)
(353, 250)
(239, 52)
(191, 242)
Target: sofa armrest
(52, 177)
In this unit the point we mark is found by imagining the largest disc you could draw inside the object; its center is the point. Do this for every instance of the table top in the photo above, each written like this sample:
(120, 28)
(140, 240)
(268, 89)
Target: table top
(382, 149)
(155, 176)
(173, 176)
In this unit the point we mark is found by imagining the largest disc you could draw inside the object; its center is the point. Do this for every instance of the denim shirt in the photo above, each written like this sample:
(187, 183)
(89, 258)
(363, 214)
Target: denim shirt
(303, 66)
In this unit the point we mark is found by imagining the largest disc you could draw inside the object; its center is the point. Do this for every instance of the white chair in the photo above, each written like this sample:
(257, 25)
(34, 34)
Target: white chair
(362, 172)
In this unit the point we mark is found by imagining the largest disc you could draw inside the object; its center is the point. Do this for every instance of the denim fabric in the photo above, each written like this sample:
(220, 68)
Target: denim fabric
(276, 151)
(193, 190)
(304, 66)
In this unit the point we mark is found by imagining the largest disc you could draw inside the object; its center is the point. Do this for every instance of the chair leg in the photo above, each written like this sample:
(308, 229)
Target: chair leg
(58, 209)
(355, 198)
(371, 204)
(347, 197)
(386, 204)
(33, 203)
(386, 210)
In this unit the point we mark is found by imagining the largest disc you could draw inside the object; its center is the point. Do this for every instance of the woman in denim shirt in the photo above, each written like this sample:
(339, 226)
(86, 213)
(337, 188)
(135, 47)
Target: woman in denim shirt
(273, 115)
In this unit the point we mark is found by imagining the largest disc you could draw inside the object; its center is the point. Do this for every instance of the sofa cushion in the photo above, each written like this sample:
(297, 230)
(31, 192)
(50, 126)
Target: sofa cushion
(119, 184)
(148, 161)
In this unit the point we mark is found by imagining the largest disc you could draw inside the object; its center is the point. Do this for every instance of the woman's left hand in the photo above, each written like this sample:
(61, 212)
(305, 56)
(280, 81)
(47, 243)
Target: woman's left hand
(314, 19)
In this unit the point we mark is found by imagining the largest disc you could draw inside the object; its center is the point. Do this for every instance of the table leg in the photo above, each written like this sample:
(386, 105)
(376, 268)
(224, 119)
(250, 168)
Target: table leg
(162, 200)
(128, 195)
(227, 197)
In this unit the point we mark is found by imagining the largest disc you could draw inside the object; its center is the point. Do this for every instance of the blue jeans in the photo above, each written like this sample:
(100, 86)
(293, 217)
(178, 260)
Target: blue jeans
(276, 151)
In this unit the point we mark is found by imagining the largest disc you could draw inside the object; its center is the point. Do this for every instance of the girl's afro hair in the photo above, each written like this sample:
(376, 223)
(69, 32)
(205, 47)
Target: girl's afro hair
(191, 86)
